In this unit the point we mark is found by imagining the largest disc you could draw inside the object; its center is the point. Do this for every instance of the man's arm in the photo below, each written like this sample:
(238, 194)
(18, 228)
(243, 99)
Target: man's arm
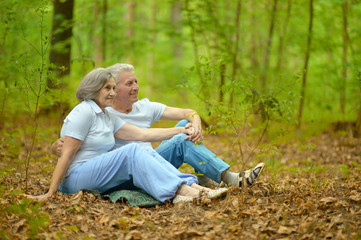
(171, 113)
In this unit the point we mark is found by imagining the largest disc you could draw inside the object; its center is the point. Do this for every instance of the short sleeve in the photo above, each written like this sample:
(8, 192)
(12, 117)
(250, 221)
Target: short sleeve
(78, 123)
(155, 109)
(118, 123)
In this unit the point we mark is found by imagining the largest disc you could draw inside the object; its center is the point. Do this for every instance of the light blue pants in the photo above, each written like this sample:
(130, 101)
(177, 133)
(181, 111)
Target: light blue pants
(125, 168)
(177, 151)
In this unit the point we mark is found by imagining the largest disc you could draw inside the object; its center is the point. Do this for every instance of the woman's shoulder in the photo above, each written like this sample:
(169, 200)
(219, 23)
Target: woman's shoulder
(83, 109)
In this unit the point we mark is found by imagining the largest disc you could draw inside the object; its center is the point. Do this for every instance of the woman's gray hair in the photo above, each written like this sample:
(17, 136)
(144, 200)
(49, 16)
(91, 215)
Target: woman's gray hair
(90, 85)
(119, 67)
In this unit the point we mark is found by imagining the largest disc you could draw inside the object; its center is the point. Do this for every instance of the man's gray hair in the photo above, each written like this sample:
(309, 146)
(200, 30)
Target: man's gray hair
(119, 67)
(90, 85)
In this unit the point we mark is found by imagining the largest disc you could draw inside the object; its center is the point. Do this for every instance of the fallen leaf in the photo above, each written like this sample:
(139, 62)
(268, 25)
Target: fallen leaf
(328, 200)
(77, 199)
(135, 234)
(285, 230)
(355, 198)
(19, 225)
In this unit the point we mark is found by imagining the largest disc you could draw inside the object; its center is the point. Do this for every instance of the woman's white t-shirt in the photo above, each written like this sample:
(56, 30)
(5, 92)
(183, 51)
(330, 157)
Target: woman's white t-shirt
(88, 123)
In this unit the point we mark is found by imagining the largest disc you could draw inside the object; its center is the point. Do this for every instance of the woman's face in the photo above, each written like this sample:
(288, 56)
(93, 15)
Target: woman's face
(106, 94)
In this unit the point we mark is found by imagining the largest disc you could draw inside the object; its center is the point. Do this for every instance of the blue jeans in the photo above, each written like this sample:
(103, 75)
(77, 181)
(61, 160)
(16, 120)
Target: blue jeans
(131, 166)
(177, 151)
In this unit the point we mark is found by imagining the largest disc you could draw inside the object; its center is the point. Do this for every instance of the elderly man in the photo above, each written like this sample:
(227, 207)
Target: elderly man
(179, 149)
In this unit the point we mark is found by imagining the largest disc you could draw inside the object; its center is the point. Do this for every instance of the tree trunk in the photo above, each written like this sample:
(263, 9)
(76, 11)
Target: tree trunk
(268, 47)
(235, 53)
(305, 69)
(129, 17)
(222, 82)
(358, 120)
(100, 10)
(61, 34)
(153, 38)
(281, 59)
(204, 87)
(254, 38)
(344, 58)
(176, 17)
(221, 45)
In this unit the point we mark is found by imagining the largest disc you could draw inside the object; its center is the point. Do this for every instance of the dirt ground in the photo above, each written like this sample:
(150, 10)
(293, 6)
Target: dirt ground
(309, 190)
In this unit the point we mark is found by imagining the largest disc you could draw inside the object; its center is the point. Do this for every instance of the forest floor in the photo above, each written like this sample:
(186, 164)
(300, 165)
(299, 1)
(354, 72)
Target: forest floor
(310, 190)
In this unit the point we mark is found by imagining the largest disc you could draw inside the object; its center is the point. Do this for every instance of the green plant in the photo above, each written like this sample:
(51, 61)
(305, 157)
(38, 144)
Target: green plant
(36, 219)
(35, 74)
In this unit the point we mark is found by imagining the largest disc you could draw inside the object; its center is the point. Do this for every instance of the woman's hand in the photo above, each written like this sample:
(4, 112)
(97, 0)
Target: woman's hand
(39, 198)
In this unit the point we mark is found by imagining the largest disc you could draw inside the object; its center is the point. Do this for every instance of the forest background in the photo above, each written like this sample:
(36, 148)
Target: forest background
(258, 72)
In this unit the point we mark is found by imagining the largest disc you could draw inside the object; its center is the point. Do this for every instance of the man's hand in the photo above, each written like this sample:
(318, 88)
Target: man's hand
(57, 147)
(196, 133)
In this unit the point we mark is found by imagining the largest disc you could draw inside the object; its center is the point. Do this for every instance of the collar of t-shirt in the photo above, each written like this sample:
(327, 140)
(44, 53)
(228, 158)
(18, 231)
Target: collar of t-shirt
(94, 106)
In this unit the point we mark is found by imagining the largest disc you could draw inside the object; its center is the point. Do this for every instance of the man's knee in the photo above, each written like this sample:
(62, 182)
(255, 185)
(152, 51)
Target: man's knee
(182, 123)
(180, 138)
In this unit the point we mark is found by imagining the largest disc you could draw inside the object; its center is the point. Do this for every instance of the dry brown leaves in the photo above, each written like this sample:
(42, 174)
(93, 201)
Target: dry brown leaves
(312, 192)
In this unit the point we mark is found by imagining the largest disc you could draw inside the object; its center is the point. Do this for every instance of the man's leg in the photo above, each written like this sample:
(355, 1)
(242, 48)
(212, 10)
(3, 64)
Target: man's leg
(177, 151)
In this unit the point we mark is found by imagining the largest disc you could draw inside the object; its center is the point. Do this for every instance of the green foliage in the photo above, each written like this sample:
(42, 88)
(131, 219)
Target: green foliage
(191, 62)
(36, 219)
(204, 37)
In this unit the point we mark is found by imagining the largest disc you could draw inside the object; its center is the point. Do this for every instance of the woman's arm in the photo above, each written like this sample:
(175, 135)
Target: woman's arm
(132, 133)
(70, 148)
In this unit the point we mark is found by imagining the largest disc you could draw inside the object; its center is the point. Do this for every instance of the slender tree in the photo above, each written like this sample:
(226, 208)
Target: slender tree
(152, 43)
(236, 48)
(100, 12)
(196, 49)
(344, 57)
(176, 17)
(222, 75)
(305, 68)
(268, 46)
(254, 39)
(221, 46)
(129, 17)
(283, 34)
(61, 34)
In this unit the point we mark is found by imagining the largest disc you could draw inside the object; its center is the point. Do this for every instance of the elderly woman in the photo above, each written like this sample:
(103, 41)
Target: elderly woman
(86, 164)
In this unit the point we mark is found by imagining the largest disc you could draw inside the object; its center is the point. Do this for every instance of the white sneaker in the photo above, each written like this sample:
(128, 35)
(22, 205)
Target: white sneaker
(180, 198)
(251, 175)
(217, 193)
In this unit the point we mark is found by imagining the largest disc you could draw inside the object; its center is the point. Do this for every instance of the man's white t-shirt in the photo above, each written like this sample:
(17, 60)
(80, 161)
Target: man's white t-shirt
(144, 113)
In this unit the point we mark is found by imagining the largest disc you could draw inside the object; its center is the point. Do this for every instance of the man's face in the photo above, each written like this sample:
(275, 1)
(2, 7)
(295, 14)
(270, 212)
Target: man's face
(127, 91)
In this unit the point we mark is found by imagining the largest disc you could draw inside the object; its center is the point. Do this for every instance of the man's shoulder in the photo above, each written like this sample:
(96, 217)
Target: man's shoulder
(146, 101)
(142, 101)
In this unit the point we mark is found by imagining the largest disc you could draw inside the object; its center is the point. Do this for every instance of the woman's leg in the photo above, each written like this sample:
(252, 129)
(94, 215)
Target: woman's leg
(143, 166)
